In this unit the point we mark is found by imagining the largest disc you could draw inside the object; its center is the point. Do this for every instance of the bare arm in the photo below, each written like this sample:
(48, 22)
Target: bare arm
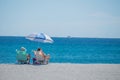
(34, 52)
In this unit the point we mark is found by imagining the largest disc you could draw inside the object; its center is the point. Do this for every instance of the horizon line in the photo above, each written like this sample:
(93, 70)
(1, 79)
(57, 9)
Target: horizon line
(68, 37)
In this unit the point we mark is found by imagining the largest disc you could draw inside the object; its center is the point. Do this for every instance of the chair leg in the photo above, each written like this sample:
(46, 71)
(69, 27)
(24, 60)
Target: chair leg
(34, 60)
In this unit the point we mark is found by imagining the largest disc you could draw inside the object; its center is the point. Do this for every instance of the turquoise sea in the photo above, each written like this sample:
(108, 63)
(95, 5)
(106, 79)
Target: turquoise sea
(64, 50)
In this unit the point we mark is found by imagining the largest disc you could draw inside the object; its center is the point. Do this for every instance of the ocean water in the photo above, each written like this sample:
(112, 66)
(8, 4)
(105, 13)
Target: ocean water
(64, 50)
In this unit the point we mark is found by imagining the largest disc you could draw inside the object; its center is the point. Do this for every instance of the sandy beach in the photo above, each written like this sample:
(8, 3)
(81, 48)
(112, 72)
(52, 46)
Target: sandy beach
(56, 71)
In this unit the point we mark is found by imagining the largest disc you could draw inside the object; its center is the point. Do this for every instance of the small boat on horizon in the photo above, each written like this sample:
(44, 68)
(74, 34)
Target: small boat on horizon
(68, 36)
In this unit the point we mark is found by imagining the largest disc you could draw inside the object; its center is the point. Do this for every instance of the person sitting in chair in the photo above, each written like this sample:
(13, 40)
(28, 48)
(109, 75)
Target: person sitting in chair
(22, 56)
(40, 57)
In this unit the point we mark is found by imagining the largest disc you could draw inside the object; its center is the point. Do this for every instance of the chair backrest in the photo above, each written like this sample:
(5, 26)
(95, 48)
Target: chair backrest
(39, 57)
(21, 55)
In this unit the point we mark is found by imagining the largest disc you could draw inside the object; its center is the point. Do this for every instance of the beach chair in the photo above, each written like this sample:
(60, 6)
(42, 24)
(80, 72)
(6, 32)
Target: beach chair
(39, 60)
(22, 57)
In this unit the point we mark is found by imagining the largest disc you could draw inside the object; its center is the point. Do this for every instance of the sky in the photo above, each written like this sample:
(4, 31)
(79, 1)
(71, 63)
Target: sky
(60, 18)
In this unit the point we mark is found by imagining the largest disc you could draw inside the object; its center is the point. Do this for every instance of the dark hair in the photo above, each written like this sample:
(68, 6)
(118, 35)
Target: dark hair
(38, 49)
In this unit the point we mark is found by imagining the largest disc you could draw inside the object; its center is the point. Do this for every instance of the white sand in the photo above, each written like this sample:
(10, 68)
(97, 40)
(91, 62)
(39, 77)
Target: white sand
(54, 71)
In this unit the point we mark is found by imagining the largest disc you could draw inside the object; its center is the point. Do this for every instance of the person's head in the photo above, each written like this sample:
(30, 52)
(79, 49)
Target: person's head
(22, 49)
(38, 49)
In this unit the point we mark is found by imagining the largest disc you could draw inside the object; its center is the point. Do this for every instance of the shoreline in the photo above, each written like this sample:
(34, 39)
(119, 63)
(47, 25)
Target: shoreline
(61, 63)
(60, 71)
